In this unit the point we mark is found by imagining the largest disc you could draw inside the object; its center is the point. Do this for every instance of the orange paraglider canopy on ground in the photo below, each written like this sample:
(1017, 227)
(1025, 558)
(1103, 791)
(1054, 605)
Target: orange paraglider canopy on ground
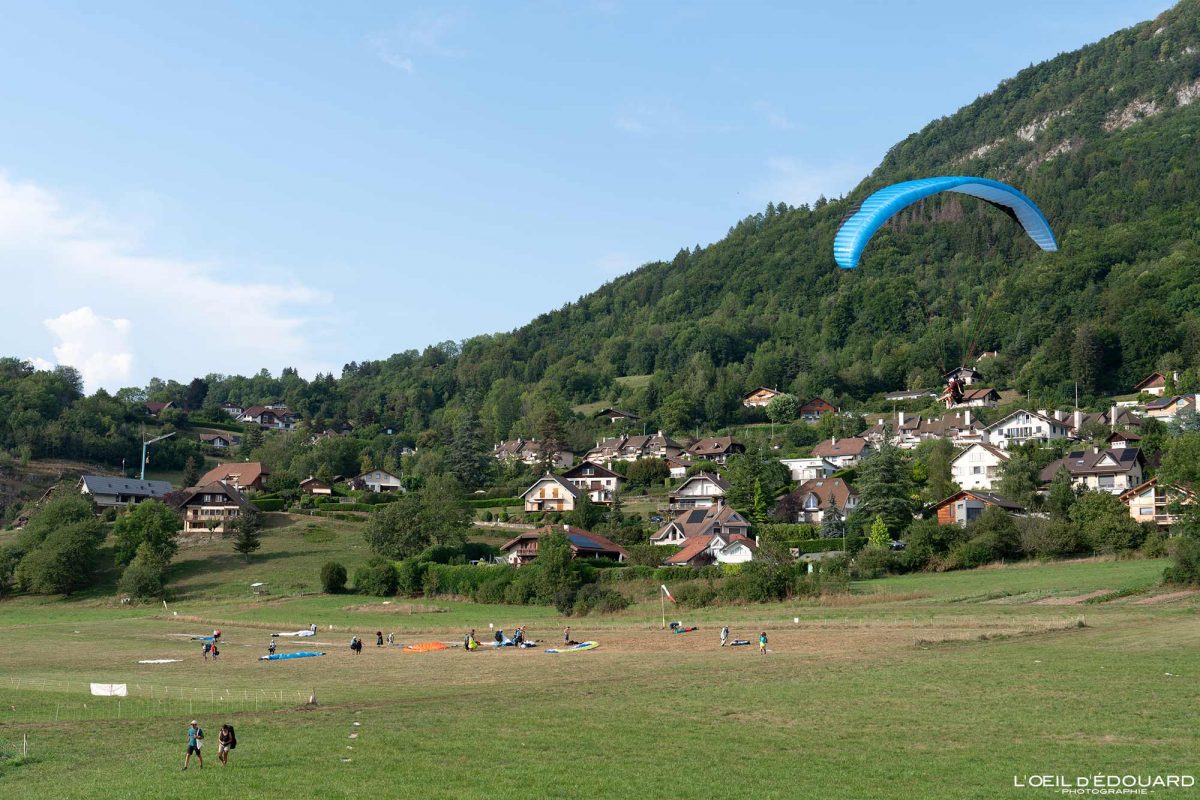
(426, 647)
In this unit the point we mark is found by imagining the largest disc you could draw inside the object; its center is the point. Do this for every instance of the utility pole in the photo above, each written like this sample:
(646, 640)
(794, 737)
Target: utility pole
(146, 444)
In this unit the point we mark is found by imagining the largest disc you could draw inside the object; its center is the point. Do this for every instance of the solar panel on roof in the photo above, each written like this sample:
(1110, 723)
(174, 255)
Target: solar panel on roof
(697, 516)
(582, 541)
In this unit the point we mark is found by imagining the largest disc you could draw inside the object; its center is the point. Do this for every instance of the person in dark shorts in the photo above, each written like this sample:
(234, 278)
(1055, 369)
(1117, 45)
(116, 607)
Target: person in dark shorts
(271, 648)
(226, 741)
(195, 736)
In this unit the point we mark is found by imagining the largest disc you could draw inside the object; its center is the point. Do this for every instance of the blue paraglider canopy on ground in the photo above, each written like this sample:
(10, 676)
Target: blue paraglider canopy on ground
(856, 231)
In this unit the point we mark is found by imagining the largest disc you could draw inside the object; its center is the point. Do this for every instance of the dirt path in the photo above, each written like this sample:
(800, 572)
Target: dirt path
(1169, 597)
(1073, 600)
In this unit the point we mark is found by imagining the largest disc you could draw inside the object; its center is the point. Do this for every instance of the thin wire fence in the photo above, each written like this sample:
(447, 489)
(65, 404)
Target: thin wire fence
(32, 699)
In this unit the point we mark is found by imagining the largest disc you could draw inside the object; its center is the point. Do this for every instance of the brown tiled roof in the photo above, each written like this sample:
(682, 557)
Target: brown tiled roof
(580, 539)
(829, 491)
(987, 497)
(830, 448)
(246, 472)
(1087, 462)
(714, 446)
(700, 521)
(211, 487)
(692, 547)
(597, 472)
(1151, 381)
(721, 483)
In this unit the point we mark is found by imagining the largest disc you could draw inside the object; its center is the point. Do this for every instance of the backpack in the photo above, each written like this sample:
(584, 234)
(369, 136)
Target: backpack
(499, 636)
(232, 738)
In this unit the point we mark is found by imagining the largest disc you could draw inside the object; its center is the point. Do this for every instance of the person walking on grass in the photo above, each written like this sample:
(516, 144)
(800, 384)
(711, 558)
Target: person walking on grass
(391, 639)
(762, 643)
(195, 736)
(206, 649)
(226, 741)
(271, 648)
(724, 636)
(379, 638)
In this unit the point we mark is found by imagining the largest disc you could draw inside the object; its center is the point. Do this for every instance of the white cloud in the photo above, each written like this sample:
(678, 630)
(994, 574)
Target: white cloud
(793, 181)
(138, 314)
(98, 347)
(424, 35)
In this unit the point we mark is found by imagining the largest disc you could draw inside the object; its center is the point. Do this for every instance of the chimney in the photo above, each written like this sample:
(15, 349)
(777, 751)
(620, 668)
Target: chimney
(967, 418)
(1078, 419)
(757, 540)
(833, 441)
(1060, 416)
(900, 417)
(1042, 411)
(1112, 417)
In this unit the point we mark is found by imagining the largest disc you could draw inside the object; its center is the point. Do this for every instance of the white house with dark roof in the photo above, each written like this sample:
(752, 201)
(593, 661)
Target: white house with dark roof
(978, 467)
(807, 469)
(843, 453)
(599, 482)
(1114, 471)
(702, 490)
(702, 522)
(550, 493)
(107, 491)
(1024, 426)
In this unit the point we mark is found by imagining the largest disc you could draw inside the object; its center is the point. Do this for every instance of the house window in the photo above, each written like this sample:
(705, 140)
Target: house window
(976, 470)
(1105, 481)
(974, 513)
(1145, 512)
(554, 492)
(588, 471)
(811, 503)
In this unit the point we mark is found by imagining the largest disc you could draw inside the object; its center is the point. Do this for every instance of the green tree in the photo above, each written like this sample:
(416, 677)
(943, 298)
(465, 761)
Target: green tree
(246, 531)
(1181, 461)
(149, 522)
(65, 561)
(1086, 359)
(937, 455)
(558, 576)
(333, 577)
(879, 538)
(1104, 523)
(885, 490)
(550, 438)
(648, 472)
(394, 530)
(191, 472)
(1019, 478)
(1061, 495)
(745, 471)
(758, 505)
(143, 577)
(783, 408)
(469, 459)
(833, 525)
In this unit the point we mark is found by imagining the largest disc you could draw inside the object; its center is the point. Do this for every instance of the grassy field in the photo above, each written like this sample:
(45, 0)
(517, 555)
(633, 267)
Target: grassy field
(927, 686)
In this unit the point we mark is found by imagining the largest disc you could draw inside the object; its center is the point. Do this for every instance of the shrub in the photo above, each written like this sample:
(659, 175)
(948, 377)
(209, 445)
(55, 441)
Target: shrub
(1157, 545)
(695, 595)
(143, 578)
(269, 503)
(601, 599)
(333, 578)
(970, 554)
(1105, 524)
(758, 582)
(874, 562)
(64, 561)
(376, 577)
(487, 516)
(1186, 569)
(1049, 538)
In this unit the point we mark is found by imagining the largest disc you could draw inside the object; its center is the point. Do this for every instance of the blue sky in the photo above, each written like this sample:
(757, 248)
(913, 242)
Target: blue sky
(221, 187)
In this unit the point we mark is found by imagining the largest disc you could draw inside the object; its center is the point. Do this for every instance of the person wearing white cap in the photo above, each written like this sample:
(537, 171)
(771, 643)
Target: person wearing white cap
(195, 736)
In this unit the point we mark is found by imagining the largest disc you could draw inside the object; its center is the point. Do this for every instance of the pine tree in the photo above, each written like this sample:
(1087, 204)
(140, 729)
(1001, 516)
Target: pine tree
(879, 538)
(1061, 496)
(833, 526)
(758, 506)
(246, 528)
(550, 438)
(191, 472)
(469, 459)
(884, 488)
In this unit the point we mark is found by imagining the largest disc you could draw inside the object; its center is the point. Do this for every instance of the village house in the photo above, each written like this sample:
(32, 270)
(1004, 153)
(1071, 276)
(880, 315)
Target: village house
(806, 469)
(968, 506)
(909, 430)
(584, 544)
(1113, 419)
(1168, 408)
(527, 451)
(244, 475)
(978, 397)
(233, 409)
(221, 441)
(274, 417)
(1155, 383)
(702, 490)
(812, 410)
(1023, 426)
(909, 394)
(112, 492)
(760, 397)
(677, 467)
(716, 449)
(315, 486)
(377, 480)
(209, 508)
(739, 550)
(600, 483)
(702, 522)
(964, 375)
(843, 453)
(615, 415)
(978, 467)
(1119, 439)
(811, 500)
(550, 493)
(1152, 501)
(154, 409)
(1114, 471)
(632, 448)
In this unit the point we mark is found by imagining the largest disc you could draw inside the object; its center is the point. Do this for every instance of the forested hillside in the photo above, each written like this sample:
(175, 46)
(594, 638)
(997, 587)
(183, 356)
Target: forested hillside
(1105, 139)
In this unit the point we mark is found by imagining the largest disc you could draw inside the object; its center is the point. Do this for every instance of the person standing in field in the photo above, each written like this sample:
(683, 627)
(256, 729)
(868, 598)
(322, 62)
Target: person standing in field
(195, 736)
(205, 649)
(391, 639)
(379, 638)
(225, 742)
(313, 627)
(567, 635)
(724, 636)
(271, 648)
(762, 643)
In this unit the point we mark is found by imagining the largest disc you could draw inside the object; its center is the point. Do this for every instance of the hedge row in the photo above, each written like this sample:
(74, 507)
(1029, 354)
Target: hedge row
(817, 545)
(331, 506)
(269, 503)
(338, 515)
(663, 574)
(495, 502)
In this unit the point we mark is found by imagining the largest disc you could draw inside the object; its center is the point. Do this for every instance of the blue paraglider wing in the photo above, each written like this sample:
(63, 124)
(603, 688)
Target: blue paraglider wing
(857, 230)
